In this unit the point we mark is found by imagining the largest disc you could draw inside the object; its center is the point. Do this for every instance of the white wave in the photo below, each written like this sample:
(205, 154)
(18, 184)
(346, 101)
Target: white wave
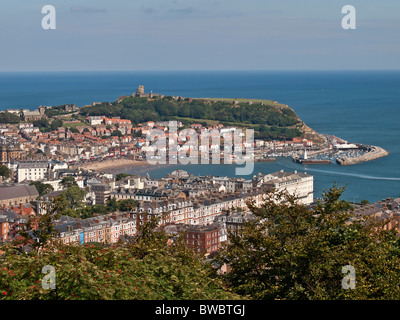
(357, 175)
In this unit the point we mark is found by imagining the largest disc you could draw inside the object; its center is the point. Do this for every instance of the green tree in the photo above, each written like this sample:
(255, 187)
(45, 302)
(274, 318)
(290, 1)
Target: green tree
(293, 252)
(5, 172)
(55, 124)
(68, 182)
(43, 124)
(75, 196)
(99, 209)
(146, 267)
(126, 204)
(116, 133)
(8, 117)
(42, 188)
(121, 176)
(112, 205)
(39, 231)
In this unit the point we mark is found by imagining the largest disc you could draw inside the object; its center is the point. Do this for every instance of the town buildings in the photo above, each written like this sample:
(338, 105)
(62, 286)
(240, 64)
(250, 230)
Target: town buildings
(32, 170)
(102, 229)
(203, 239)
(10, 223)
(298, 184)
(208, 207)
(387, 211)
(232, 222)
(9, 153)
(48, 155)
(16, 195)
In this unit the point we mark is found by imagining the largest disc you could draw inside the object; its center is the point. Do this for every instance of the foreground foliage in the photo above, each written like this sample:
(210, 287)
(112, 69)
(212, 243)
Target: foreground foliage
(289, 251)
(144, 267)
(303, 253)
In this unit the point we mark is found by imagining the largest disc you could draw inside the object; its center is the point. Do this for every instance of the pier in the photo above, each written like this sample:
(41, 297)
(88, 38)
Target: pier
(372, 153)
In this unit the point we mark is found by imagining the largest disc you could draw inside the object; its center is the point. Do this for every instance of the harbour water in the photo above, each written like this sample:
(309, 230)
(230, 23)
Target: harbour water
(358, 106)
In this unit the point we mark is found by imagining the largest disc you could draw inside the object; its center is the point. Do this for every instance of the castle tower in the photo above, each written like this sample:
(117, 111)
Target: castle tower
(42, 110)
(140, 91)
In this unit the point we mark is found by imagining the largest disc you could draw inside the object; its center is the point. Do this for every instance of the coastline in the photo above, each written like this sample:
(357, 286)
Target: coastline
(374, 152)
(112, 164)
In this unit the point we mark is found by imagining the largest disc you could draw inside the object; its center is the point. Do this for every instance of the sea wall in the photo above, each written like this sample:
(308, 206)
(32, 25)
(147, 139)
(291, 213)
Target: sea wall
(372, 153)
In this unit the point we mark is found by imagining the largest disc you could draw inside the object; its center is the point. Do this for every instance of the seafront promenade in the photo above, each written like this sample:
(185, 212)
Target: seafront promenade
(110, 164)
(369, 153)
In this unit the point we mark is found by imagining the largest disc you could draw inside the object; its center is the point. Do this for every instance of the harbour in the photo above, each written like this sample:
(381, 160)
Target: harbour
(331, 111)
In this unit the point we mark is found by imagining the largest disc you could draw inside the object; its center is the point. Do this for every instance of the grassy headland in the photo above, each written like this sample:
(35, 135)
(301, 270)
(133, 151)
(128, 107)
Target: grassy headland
(270, 119)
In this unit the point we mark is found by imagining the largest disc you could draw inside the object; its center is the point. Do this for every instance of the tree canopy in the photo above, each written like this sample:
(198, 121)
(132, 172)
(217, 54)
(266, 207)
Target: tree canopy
(274, 121)
(41, 187)
(68, 182)
(146, 266)
(8, 117)
(4, 171)
(289, 251)
(293, 252)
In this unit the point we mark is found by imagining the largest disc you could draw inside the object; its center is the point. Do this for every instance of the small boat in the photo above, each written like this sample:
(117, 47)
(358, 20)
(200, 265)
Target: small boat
(305, 160)
(268, 159)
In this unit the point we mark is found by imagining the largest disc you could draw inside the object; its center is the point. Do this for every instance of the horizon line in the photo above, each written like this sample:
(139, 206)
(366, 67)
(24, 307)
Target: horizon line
(202, 70)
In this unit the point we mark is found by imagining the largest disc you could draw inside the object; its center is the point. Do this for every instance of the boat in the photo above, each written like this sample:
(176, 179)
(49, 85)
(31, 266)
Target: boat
(315, 161)
(305, 160)
(268, 159)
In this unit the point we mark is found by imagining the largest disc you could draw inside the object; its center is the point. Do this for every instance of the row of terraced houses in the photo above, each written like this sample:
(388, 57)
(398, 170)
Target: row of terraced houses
(109, 228)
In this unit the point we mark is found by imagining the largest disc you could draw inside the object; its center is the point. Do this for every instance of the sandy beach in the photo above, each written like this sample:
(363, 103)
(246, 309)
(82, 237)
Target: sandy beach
(112, 164)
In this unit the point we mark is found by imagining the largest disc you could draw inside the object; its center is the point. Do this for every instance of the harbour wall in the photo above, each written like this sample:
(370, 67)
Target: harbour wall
(372, 153)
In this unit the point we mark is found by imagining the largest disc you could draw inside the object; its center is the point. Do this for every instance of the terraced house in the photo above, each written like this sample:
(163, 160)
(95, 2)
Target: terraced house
(173, 203)
(104, 229)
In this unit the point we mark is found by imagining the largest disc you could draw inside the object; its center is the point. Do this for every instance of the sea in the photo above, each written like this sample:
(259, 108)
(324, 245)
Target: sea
(357, 106)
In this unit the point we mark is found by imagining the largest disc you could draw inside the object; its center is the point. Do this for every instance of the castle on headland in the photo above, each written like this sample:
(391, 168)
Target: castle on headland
(33, 115)
(140, 93)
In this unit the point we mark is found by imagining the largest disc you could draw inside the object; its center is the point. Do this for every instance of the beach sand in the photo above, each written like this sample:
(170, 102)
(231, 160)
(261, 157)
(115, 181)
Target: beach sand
(113, 164)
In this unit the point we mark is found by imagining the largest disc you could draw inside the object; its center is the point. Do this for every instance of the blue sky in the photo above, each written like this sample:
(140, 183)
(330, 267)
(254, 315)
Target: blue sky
(199, 35)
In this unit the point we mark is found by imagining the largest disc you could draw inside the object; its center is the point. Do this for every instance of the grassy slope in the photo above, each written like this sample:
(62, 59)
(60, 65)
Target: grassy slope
(308, 132)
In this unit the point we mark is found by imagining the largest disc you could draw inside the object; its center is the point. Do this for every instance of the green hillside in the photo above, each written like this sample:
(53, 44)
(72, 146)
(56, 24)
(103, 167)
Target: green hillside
(269, 119)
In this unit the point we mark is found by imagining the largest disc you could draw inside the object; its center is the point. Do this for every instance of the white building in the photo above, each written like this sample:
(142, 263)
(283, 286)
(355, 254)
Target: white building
(298, 184)
(32, 171)
(59, 165)
(56, 184)
(95, 120)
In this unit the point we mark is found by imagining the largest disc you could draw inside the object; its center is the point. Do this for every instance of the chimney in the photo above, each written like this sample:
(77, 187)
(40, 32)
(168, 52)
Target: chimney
(21, 205)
